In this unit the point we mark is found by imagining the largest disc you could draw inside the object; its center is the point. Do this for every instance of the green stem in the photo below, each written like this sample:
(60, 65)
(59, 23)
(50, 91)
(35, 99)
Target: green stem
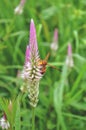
(33, 118)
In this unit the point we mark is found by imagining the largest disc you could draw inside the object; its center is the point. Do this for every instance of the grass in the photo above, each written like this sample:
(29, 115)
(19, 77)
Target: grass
(62, 100)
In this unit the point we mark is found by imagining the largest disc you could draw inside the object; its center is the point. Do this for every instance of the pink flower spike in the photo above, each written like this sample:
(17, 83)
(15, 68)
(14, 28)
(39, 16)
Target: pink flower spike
(33, 40)
(55, 39)
(54, 44)
(69, 59)
(32, 70)
(69, 50)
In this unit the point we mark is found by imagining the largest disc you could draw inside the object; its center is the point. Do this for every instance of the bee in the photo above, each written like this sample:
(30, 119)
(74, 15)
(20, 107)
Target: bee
(44, 63)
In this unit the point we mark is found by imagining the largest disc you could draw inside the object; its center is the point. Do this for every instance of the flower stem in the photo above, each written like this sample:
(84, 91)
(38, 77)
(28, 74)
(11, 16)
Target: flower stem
(33, 118)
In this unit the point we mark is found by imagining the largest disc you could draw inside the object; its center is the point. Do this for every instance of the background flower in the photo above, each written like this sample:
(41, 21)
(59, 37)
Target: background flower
(4, 123)
(54, 44)
(19, 8)
(69, 58)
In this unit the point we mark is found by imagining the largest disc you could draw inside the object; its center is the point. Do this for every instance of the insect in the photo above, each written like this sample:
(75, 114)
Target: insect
(43, 64)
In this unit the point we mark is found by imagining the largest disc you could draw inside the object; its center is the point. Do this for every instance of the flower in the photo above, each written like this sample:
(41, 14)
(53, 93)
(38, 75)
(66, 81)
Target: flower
(4, 123)
(54, 44)
(32, 70)
(19, 8)
(69, 59)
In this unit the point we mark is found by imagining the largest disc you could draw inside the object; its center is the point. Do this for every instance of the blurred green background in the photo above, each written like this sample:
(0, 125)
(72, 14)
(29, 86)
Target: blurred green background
(62, 98)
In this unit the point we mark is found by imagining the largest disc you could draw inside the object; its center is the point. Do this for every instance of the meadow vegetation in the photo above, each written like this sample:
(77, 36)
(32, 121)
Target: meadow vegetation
(62, 97)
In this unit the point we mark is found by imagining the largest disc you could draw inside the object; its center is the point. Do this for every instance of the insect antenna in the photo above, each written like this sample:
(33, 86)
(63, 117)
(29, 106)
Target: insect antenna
(46, 58)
